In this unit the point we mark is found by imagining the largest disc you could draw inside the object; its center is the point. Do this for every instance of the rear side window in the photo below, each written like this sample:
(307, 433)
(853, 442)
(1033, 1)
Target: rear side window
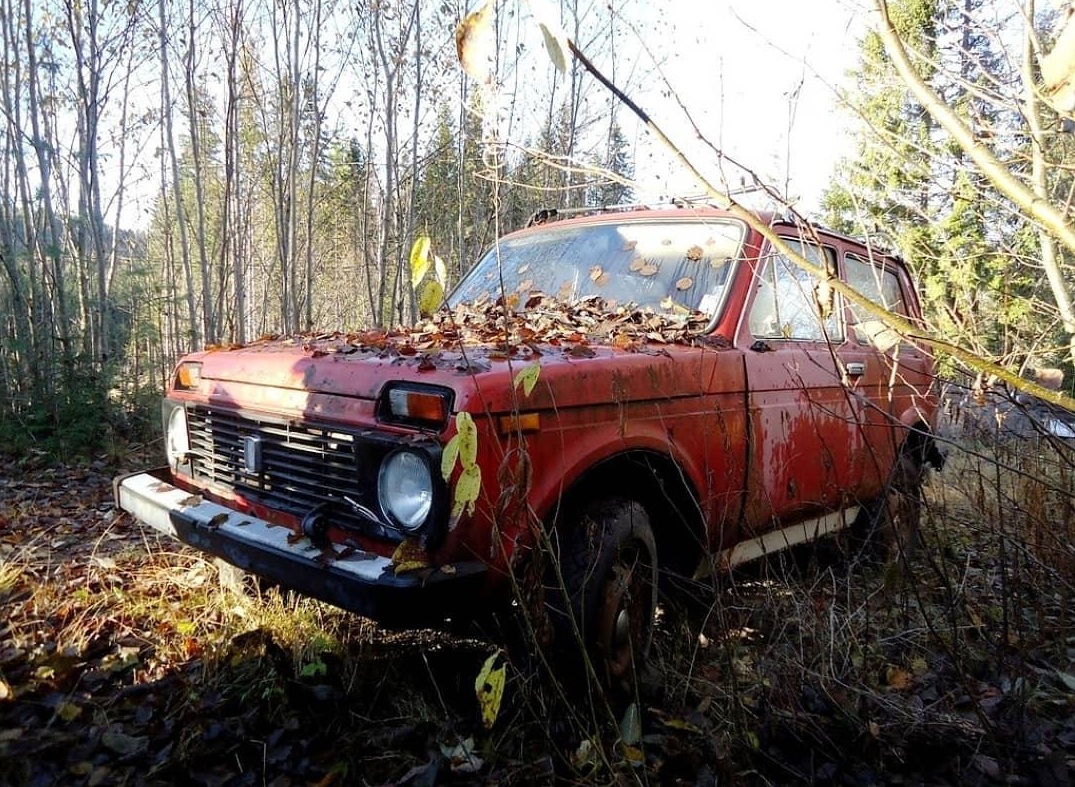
(881, 285)
(789, 302)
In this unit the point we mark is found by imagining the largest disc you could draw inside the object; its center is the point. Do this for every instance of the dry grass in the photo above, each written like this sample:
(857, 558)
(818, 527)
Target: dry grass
(957, 666)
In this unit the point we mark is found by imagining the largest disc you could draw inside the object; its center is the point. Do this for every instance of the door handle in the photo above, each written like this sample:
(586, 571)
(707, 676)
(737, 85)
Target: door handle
(855, 369)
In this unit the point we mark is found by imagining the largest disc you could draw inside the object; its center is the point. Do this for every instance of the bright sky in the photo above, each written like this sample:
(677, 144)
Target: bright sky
(759, 78)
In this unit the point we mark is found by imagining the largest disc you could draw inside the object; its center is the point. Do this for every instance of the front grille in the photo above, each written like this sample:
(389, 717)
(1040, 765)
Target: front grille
(302, 465)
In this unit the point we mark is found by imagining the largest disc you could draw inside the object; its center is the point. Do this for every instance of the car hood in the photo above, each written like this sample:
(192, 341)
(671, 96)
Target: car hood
(484, 377)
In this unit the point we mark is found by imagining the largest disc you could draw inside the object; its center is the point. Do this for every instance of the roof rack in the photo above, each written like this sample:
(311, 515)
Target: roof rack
(545, 215)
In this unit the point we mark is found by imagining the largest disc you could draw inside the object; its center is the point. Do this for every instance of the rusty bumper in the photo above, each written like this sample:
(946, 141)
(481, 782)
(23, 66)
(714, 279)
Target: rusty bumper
(362, 582)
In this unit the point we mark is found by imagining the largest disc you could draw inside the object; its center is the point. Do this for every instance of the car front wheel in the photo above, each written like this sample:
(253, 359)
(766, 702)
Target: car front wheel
(608, 563)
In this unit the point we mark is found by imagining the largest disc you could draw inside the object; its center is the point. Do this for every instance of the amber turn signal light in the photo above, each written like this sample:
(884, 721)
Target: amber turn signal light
(187, 376)
(520, 422)
(416, 406)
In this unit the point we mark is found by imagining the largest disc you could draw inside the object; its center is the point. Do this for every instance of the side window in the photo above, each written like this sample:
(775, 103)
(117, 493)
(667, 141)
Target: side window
(882, 286)
(788, 302)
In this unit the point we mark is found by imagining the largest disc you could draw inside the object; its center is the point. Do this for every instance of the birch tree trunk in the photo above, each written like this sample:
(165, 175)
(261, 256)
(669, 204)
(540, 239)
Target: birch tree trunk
(194, 124)
(177, 195)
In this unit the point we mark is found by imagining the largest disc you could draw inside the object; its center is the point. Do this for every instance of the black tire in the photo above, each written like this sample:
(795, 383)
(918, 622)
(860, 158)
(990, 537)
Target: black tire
(890, 527)
(608, 563)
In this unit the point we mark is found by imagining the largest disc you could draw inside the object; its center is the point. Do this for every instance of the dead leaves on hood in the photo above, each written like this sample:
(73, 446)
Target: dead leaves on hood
(510, 327)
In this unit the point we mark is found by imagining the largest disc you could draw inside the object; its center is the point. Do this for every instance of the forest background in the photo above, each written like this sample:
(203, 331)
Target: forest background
(290, 154)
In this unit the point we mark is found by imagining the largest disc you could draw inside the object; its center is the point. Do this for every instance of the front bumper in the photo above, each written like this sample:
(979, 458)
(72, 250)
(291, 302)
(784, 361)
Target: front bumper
(362, 582)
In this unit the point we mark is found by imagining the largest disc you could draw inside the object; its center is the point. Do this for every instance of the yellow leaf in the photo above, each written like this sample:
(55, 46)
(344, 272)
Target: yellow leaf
(680, 724)
(556, 42)
(449, 457)
(466, 490)
(420, 261)
(489, 686)
(475, 42)
(468, 439)
(527, 377)
(409, 556)
(430, 297)
(68, 711)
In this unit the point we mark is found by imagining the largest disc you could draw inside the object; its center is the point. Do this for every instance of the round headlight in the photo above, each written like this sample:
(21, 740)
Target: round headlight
(176, 440)
(405, 489)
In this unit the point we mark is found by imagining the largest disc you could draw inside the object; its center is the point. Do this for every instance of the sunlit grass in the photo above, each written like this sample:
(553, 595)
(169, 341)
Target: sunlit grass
(10, 574)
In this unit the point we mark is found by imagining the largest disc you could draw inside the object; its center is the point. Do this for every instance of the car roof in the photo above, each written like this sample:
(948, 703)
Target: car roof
(686, 209)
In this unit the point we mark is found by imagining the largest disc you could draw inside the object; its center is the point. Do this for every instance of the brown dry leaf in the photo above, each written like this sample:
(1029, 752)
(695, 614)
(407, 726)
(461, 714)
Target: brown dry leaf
(649, 269)
(685, 283)
(897, 678)
(636, 264)
(596, 272)
(475, 42)
(694, 253)
(581, 351)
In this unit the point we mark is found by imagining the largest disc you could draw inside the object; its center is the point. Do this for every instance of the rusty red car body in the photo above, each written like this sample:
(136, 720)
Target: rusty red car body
(767, 427)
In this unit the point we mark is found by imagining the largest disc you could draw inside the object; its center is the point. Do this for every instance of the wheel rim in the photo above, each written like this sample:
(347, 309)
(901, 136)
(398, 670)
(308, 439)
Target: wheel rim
(625, 617)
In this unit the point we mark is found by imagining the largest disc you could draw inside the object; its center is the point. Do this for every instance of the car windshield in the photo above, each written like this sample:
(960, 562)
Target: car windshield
(668, 266)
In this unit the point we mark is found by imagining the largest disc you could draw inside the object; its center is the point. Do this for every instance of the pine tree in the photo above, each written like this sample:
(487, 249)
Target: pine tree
(916, 193)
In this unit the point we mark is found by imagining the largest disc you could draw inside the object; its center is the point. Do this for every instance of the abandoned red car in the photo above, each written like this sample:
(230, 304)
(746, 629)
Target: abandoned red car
(636, 391)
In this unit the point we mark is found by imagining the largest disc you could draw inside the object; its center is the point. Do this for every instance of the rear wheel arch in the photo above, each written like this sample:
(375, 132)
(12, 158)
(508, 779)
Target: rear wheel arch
(921, 446)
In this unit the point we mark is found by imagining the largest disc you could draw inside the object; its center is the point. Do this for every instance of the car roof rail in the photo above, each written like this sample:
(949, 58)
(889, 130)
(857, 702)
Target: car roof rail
(545, 215)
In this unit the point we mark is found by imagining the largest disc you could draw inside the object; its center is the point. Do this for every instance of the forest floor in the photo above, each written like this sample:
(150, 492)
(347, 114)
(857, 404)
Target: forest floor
(123, 660)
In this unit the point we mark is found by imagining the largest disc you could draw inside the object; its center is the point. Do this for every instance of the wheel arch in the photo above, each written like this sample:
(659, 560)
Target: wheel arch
(921, 445)
(663, 488)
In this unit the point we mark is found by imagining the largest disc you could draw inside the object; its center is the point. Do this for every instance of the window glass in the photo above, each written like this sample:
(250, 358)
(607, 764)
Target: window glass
(789, 300)
(668, 266)
(882, 286)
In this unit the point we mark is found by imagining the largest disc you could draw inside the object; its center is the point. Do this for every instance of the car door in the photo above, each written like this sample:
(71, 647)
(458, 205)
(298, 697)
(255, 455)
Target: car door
(804, 425)
(903, 373)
